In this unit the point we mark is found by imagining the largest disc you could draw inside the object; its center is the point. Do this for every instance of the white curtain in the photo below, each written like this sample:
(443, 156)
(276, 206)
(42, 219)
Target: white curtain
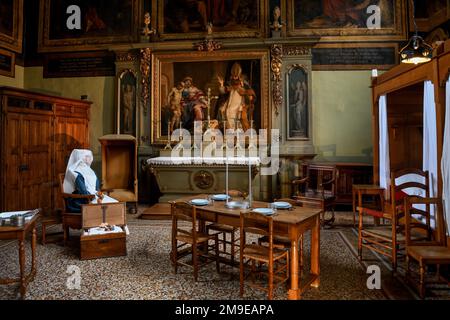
(445, 163)
(430, 140)
(383, 129)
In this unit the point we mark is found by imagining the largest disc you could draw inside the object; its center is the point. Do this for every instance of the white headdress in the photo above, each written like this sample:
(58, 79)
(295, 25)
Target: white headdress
(78, 165)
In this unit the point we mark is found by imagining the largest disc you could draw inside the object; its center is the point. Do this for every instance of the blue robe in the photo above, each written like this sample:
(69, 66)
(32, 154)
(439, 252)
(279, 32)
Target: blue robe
(74, 205)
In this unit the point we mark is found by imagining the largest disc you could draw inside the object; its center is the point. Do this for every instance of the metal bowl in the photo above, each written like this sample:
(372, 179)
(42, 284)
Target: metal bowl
(237, 205)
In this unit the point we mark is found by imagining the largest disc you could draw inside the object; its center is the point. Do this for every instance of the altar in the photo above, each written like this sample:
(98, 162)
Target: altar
(184, 176)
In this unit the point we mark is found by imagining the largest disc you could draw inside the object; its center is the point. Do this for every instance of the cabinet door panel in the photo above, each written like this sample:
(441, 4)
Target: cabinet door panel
(12, 181)
(36, 159)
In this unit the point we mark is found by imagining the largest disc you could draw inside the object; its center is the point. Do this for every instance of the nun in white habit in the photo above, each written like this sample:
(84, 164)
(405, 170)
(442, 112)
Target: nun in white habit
(81, 179)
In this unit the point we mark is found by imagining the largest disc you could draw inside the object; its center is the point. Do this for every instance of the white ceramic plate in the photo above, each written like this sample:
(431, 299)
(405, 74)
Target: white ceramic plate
(265, 211)
(282, 205)
(199, 202)
(220, 197)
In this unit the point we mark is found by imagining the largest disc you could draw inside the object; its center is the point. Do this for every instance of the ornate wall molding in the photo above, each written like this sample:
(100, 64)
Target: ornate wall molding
(296, 51)
(146, 60)
(127, 56)
(276, 65)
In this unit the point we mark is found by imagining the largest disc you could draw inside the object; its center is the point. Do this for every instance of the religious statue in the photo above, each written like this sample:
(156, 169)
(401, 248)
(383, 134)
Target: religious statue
(128, 106)
(147, 31)
(276, 25)
(240, 99)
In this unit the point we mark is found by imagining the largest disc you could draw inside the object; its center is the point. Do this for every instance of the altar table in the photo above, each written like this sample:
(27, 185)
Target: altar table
(291, 223)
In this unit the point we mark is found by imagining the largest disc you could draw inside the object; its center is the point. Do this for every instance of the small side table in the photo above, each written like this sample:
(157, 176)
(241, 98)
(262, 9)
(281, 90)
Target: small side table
(20, 233)
(365, 189)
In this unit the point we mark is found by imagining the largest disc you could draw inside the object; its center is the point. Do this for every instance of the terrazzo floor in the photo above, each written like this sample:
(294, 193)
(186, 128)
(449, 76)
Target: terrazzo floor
(146, 272)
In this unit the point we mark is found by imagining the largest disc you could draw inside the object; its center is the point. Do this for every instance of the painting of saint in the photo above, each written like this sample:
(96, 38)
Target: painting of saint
(7, 17)
(127, 107)
(225, 92)
(99, 18)
(193, 16)
(239, 100)
(340, 13)
(297, 115)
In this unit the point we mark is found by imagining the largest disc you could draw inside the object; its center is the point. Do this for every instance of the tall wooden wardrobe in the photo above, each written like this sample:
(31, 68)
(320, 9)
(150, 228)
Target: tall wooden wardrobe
(38, 133)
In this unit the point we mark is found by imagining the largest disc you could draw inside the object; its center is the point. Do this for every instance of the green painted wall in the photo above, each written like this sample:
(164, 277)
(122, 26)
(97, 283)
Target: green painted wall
(17, 81)
(341, 109)
(100, 90)
(341, 113)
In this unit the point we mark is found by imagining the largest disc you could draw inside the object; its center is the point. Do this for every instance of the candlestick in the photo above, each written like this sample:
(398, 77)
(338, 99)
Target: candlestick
(168, 146)
(226, 177)
(249, 182)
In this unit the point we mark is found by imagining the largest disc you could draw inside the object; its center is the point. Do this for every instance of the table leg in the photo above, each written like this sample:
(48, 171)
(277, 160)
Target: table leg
(354, 207)
(33, 254)
(315, 253)
(294, 292)
(22, 265)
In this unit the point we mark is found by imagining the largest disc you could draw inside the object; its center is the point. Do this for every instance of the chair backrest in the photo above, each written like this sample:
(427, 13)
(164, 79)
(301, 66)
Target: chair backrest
(411, 223)
(409, 182)
(182, 211)
(256, 223)
(319, 179)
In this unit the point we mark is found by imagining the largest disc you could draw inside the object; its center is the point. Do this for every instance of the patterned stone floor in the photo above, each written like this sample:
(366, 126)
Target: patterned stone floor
(146, 272)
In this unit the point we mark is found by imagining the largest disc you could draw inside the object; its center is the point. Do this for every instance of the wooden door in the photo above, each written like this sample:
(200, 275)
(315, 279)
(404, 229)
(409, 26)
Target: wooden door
(36, 159)
(28, 161)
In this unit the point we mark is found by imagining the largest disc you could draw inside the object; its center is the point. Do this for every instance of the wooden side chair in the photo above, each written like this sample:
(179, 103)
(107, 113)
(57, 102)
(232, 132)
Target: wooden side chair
(283, 241)
(226, 231)
(425, 253)
(388, 239)
(276, 259)
(190, 241)
(317, 189)
(71, 219)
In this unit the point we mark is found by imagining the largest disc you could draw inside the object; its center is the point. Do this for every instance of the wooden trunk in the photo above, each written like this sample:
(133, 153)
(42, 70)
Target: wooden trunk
(103, 245)
(38, 133)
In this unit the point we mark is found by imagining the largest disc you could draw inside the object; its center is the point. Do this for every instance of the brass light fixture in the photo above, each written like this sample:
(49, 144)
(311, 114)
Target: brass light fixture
(417, 50)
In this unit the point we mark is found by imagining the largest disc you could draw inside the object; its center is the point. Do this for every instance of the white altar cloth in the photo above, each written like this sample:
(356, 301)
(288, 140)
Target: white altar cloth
(256, 161)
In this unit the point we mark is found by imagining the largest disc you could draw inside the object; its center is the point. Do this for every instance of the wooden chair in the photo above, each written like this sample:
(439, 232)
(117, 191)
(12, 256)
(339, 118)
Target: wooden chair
(192, 241)
(283, 241)
(389, 239)
(317, 189)
(276, 259)
(225, 231)
(71, 219)
(424, 252)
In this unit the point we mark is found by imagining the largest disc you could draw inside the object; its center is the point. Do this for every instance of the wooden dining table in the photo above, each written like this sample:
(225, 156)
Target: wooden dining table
(289, 223)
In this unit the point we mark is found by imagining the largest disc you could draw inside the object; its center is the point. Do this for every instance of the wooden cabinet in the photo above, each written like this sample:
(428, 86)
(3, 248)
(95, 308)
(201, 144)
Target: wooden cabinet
(38, 133)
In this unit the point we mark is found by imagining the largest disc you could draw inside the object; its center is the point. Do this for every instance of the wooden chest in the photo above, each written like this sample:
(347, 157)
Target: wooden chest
(103, 245)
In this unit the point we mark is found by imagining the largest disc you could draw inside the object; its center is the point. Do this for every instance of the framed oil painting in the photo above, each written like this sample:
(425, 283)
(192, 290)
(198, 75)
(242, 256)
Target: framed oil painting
(179, 19)
(101, 22)
(297, 113)
(11, 24)
(429, 14)
(226, 89)
(346, 20)
(7, 63)
(127, 103)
